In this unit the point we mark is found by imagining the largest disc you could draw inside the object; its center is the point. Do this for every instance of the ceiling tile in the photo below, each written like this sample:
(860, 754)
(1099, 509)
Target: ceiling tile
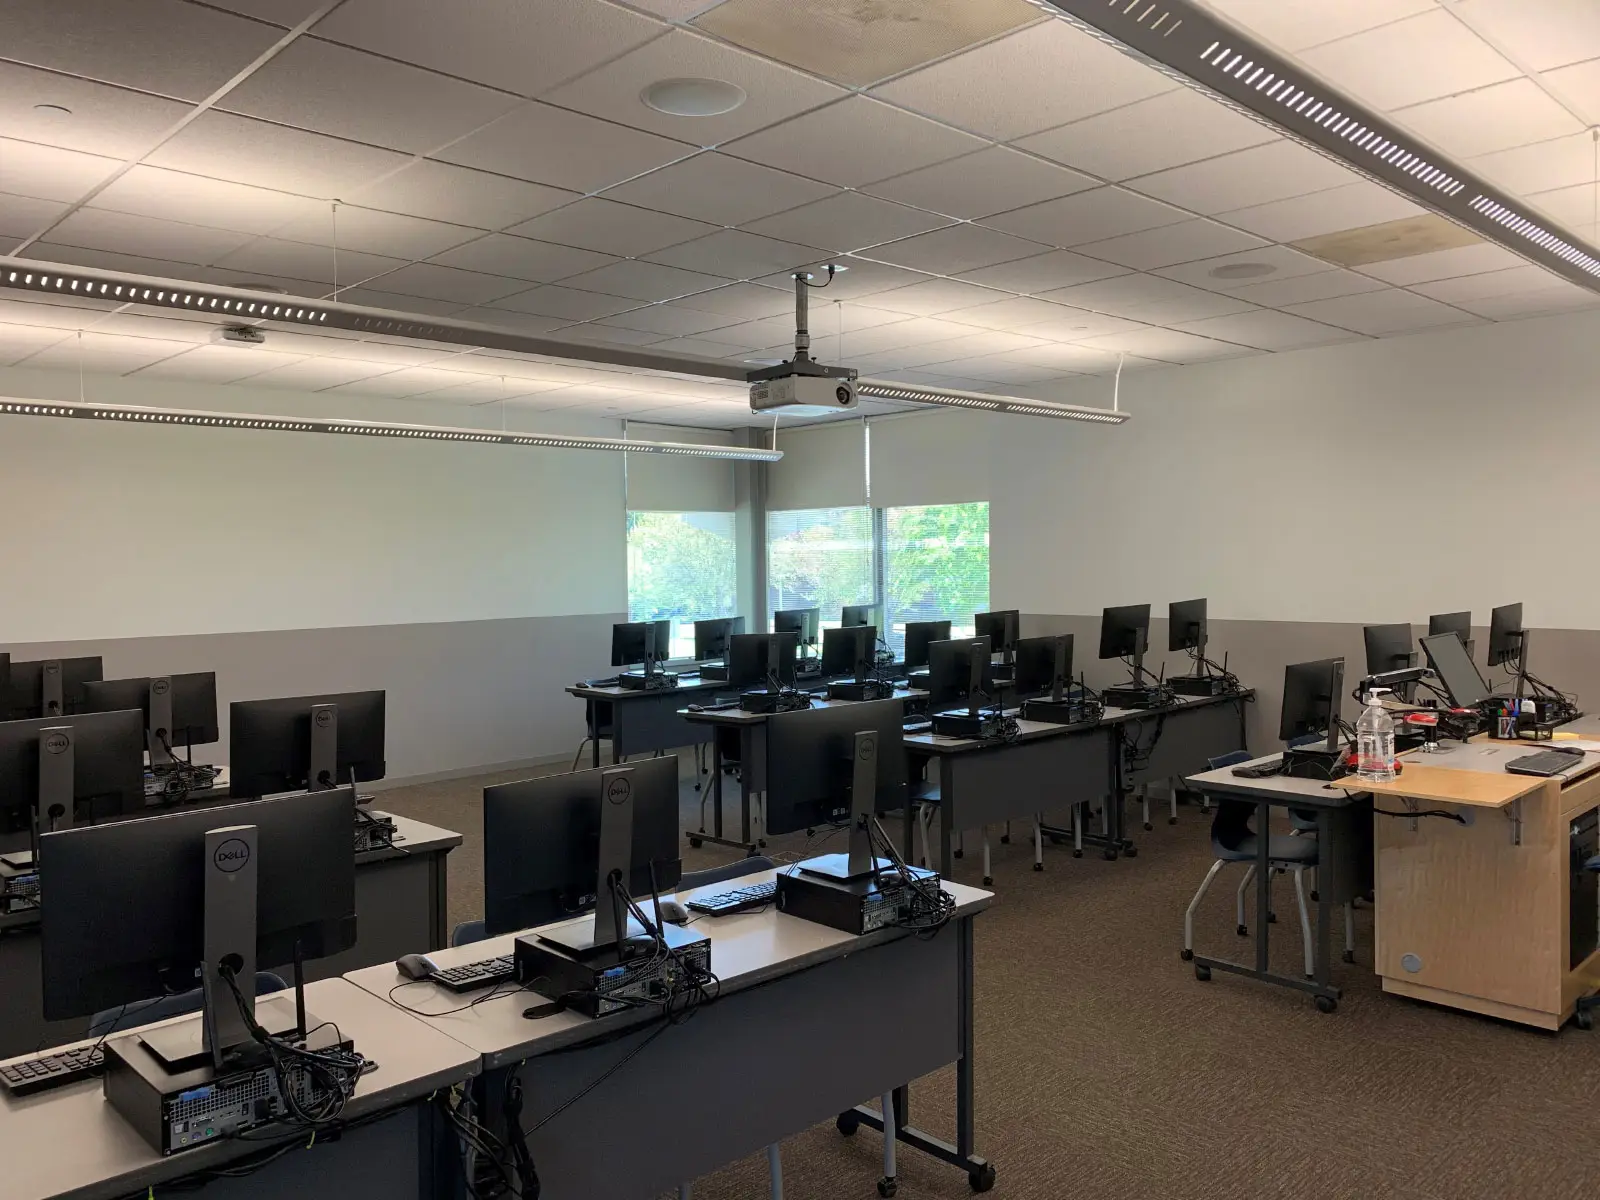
(1165, 345)
(444, 192)
(1043, 272)
(224, 146)
(754, 335)
(956, 249)
(1285, 264)
(314, 374)
(47, 173)
(1245, 178)
(1542, 166)
(645, 281)
(1419, 58)
(1543, 34)
(522, 258)
(1444, 264)
(298, 260)
(1574, 207)
(500, 318)
(18, 342)
(408, 381)
(522, 46)
(220, 364)
(94, 229)
(1353, 206)
(744, 301)
(335, 90)
(994, 369)
(1052, 73)
(111, 353)
(935, 296)
(668, 319)
(772, 92)
(854, 142)
(972, 345)
(1492, 118)
(1489, 284)
(1267, 330)
(1171, 244)
(722, 190)
(1087, 217)
(1380, 313)
(990, 181)
(737, 255)
(1148, 298)
(376, 232)
(1169, 130)
(612, 228)
(287, 13)
(22, 216)
(846, 222)
(1302, 289)
(564, 149)
(196, 200)
(447, 283)
(1009, 314)
(375, 298)
(1561, 298)
(607, 333)
(108, 260)
(102, 119)
(161, 46)
(1581, 84)
(74, 315)
(1301, 26)
(571, 304)
(1064, 356)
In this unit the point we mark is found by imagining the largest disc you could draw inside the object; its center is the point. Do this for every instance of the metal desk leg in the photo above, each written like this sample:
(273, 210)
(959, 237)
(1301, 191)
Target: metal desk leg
(617, 720)
(1263, 884)
(594, 729)
(1322, 946)
(716, 835)
(947, 861)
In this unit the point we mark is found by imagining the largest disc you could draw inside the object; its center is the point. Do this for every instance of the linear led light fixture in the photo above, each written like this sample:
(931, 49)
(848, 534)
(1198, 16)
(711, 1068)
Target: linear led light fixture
(884, 389)
(386, 429)
(1192, 45)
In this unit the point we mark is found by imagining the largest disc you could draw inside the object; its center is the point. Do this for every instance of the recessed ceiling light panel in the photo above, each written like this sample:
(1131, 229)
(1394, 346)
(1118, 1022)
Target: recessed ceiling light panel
(693, 97)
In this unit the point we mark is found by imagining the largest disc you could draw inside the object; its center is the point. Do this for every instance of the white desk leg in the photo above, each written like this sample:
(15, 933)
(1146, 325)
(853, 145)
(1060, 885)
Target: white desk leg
(888, 1185)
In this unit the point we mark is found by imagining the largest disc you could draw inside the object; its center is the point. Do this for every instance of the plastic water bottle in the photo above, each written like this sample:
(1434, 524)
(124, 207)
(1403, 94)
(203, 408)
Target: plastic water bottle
(1375, 741)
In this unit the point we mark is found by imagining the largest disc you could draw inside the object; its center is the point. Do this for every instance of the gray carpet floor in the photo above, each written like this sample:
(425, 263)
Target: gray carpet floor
(1104, 1069)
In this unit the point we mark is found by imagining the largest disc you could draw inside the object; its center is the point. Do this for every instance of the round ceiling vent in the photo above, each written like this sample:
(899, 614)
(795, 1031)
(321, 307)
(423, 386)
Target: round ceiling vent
(1242, 270)
(693, 97)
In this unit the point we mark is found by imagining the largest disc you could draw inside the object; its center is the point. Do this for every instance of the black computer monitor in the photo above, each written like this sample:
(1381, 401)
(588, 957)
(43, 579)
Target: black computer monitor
(283, 745)
(919, 635)
(192, 701)
(711, 638)
(126, 909)
(848, 650)
(1186, 626)
(1044, 666)
(1388, 648)
(1001, 628)
(48, 687)
(950, 672)
(541, 842)
(635, 642)
(856, 615)
(755, 659)
(1505, 635)
(802, 622)
(812, 755)
(1459, 623)
(1463, 682)
(106, 779)
(1311, 699)
(1125, 631)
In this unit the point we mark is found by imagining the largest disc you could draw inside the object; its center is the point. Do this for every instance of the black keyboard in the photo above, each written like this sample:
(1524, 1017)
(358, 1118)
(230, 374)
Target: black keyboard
(918, 726)
(53, 1070)
(1546, 762)
(471, 976)
(1260, 770)
(724, 904)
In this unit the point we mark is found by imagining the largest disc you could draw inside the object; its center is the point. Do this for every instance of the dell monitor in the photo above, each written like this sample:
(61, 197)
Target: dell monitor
(49, 687)
(856, 615)
(179, 710)
(1001, 630)
(1125, 631)
(1459, 623)
(305, 742)
(60, 771)
(849, 651)
(762, 660)
(1311, 699)
(919, 636)
(1463, 682)
(802, 622)
(1388, 648)
(1044, 667)
(640, 642)
(1505, 636)
(711, 638)
(951, 672)
(1186, 627)
(816, 748)
(542, 837)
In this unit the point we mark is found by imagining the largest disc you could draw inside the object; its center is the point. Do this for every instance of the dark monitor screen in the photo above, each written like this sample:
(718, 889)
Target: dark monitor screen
(816, 748)
(950, 672)
(1463, 682)
(1388, 648)
(856, 615)
(1186, 625)
(803, 622)
(1040, 662)
(1310, 698)
(541, 842)
(750, 659)
(711, 637)
(919, 635)
(1505, 634)
(634, 641)
(126, 912)
(1459, 623)
(107, 768)
(24, 697)
(844, 650)
(194, 704)
(1124, 631)
(999, 627)
(270, 742)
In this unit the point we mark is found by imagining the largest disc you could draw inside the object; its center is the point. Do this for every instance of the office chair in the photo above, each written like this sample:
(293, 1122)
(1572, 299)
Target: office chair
(925, 800)
(148, 1012)
(597, 726)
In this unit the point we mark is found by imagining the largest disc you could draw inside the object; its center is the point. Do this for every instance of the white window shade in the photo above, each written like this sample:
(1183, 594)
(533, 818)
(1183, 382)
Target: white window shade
(933, 458)
(823, 466)
(683, 485)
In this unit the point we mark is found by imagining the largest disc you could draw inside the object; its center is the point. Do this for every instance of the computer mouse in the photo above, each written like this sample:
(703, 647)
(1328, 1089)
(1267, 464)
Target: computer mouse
(415, 966)
(673, 912)
(696, 708)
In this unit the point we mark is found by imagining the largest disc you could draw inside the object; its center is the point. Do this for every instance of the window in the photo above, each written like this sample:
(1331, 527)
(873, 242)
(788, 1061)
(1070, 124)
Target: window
(682, 566)
(923, 563)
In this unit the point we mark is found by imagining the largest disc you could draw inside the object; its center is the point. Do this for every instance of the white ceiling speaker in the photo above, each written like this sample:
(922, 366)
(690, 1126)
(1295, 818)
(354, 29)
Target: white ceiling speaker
(693, 97)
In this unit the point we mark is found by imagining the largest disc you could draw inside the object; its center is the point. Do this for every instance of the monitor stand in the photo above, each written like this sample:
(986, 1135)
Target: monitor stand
(50, 692)
(158, 731)
(859, 862)
(612, 929)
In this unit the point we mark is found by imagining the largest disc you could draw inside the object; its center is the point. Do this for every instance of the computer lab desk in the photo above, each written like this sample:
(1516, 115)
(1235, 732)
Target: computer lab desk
(69, 1143)
(810, 1023)
(401, 896)
(644, 722)
(744, 734)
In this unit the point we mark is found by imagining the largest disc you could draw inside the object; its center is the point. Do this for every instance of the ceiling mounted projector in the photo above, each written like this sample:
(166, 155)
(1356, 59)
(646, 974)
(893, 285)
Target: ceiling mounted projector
(803, 387)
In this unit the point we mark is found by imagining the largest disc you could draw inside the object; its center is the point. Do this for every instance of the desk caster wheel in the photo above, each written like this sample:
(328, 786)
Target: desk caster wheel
(1077, 853)
(696, 842)
(1149, 828)
(762, 842)
(751, 852)
(1326, 1004)
(888, 1187)
(1131, 851)
(982, 1180)
(1186, 954)
(1272, 918)
(988, 880)
(1583, 1019)
(1203, 974)
(1314, 896)
(1005, 839)
(1038, 866)
(1109, 855)
(1242, 930)
(1172, 820)
(811, 833)
(697, 787)
(847, 1124)
(1349, 956)
(958, 853)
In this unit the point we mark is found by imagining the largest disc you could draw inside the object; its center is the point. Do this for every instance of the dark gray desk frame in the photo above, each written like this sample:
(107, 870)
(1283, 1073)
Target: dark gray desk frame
(644, 722)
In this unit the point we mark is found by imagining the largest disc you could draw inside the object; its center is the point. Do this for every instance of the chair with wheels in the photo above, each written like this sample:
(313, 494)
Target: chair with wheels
(161, 1008)
(597, 725)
